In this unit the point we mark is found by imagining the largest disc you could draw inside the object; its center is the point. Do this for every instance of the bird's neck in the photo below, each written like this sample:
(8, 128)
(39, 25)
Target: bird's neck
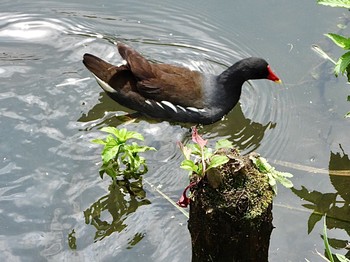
(234, 76)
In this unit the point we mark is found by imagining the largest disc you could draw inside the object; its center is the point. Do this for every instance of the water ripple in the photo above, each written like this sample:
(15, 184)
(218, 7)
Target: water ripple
(52, 109)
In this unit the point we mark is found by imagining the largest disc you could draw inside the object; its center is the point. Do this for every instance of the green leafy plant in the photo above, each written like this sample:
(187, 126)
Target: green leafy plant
(273, 175)
(342, 66)
(207, 156)
(199, 159)
(119, 156)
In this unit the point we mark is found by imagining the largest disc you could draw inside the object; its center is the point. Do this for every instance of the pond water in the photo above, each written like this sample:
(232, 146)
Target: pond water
(55, 207)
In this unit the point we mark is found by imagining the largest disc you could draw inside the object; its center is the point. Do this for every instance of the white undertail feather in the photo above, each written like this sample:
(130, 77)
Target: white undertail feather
(105, 86)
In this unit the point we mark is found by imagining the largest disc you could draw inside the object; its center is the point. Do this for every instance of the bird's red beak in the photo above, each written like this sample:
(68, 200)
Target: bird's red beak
(272, 76)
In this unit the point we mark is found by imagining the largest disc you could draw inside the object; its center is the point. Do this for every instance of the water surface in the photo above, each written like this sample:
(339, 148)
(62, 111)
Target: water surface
(51, 108)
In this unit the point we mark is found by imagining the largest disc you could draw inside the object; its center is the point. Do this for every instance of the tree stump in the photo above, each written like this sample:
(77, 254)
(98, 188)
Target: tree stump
(231, 213)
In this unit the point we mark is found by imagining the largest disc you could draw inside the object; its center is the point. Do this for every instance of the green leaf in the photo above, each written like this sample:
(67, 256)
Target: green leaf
(339, 40)
(342, 64)
(272, 180)
(207, 153)
(134, 135)
(111, 130)
(189, 165)
(135, 148)
(110, 152)
(335, 3)
(217, 160)
(186, 151)
(273, 175)
(99, 141)
(223, 143)
(262, 164)
(122, 134)
(347, 114)
(195, 149)
(283, 180)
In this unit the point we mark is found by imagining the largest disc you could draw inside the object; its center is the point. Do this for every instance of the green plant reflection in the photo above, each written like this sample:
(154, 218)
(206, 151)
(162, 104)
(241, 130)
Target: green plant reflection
(335, 205)
(124, 198)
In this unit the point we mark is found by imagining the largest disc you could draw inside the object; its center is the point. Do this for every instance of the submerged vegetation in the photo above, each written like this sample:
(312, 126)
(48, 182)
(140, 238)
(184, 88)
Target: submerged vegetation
(342, 66)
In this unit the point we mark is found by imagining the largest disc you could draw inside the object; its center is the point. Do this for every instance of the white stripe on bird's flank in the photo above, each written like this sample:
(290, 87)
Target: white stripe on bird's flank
(148, 102)
(193, 109)
(183, 109)
(160, 105)
(168, 104)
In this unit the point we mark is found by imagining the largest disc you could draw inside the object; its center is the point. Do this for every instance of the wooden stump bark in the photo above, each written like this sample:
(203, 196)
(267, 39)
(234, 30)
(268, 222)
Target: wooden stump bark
(231, 213)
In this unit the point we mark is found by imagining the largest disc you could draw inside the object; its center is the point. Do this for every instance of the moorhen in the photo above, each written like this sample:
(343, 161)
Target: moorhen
(171, 92)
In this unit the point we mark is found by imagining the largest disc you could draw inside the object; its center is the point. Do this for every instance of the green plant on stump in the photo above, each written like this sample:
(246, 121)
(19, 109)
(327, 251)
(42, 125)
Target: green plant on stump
(208, 157)
(342, 66)
(119, 156)
(273, 175)
(202, 161)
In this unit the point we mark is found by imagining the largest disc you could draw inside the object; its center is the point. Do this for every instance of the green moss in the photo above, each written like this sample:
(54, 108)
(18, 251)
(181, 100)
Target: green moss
(243, 192)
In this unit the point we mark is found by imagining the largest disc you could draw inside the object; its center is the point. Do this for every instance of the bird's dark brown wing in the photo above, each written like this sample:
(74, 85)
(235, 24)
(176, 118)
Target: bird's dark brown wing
(164, 82)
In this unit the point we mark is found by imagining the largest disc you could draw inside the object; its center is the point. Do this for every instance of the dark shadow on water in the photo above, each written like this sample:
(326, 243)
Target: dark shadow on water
(335, 205)
(243, 132)
(123, 199)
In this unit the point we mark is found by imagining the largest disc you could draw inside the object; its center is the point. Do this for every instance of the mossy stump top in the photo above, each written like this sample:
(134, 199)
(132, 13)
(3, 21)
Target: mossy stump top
(231, 212)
